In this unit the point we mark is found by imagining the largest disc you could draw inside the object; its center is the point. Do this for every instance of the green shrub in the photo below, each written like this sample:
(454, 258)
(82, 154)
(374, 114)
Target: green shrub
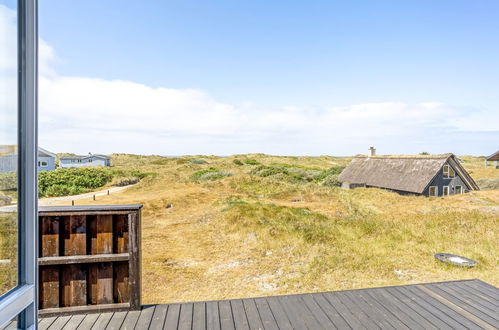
(73, 181)
(210, 174)
(8, 181)
(237, 162)
(251, 161)
(488, 184)
(198, 161)
(298, 174)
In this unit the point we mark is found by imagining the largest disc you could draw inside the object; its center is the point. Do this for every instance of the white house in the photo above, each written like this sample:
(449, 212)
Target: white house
(9, 159)
(84, 161)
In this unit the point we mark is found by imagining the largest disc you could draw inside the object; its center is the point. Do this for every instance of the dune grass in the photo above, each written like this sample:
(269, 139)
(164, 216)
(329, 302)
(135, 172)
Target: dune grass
(248, 235)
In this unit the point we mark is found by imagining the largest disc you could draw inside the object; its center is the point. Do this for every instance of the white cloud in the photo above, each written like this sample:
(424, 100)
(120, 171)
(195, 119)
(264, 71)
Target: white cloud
(81, 114)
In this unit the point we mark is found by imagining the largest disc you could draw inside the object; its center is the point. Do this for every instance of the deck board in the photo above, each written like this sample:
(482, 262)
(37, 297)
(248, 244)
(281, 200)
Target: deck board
(470, 304)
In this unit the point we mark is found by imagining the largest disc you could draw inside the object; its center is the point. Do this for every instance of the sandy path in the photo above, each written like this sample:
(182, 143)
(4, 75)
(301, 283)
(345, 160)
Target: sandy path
(60, 200)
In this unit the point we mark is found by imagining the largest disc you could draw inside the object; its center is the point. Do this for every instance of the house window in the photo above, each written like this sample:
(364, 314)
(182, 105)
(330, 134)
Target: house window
(448, 171)
(90, 160)
(43, 164)
(433, 191)
(459, 189)
(446, 191)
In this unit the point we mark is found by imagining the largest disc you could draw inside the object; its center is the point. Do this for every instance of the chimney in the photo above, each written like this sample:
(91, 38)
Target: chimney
(371, 152)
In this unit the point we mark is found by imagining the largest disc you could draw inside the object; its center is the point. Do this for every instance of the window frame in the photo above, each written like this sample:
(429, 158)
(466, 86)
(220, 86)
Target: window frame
(21, 301)
(447, 174)
(461, 190)
(444, 189)
(436, 191)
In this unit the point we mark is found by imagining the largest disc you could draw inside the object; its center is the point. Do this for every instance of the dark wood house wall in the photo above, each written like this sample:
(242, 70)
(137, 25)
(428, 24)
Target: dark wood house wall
(440, 181)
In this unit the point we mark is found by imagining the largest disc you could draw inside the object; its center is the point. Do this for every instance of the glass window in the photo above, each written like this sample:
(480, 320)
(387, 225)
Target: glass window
(459, 189)
(433, 191)
(446, 191)
(8, 146)
(448, 171)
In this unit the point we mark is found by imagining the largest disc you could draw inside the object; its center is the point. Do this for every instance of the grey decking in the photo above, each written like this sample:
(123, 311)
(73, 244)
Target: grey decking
(468, 304)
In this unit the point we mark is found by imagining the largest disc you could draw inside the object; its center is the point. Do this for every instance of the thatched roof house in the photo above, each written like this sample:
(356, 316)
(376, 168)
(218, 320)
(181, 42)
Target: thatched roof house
(494, 157)
(429, 175)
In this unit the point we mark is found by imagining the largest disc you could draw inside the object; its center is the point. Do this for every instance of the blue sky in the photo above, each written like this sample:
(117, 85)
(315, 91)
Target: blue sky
(281, 77)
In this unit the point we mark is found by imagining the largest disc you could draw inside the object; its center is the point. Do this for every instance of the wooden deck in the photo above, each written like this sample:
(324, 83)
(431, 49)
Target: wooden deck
(468, 304)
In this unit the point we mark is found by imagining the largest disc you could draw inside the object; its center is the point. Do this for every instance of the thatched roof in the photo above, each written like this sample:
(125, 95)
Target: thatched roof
(494, 156)
(403, 173)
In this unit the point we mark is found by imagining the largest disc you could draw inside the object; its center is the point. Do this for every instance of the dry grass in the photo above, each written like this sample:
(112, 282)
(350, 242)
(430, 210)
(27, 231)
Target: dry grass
(245, 235)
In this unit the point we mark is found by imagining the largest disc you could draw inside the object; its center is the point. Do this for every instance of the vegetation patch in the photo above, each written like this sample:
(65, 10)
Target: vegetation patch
(73, 181)
(488, 184)
(8, 181)
(237, 162)
(198, 161)
(251, 161)
(299, 174)
(210, 175)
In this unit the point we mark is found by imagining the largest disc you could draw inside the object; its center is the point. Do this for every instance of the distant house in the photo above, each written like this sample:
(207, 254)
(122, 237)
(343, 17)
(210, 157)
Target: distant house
(494, 157)
(46, 160)
(84, 161)
(428, 175)
(8, 159)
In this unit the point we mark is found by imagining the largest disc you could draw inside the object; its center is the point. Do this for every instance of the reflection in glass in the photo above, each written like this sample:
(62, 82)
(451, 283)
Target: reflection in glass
(8, 146)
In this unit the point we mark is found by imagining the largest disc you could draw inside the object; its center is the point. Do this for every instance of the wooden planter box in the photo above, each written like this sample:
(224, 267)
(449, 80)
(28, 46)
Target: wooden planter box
(89, 258)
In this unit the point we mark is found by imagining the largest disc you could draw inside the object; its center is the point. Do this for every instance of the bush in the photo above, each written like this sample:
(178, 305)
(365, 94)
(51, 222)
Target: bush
(73, 181)
(488, 184)
(251, 161)
(298, 174)
(210, 174)
(8, 181)
(237, 162)
(198, 161)
(125, 182)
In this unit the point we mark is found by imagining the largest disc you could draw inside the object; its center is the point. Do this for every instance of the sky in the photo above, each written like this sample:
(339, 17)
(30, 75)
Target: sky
(277, 77)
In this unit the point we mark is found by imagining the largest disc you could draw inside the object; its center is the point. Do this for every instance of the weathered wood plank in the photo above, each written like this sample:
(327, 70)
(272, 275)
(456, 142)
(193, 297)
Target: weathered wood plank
(59, 323)
(442, 311)
(88, 321)
(226, 319)
(101, 234)
(465, 304)
(472, 299)
(316, 310)
(254, 320)
(330, 311)
(145, 317)
(49, 231)
(67, 260)
(121, 290)
(172, 316)
(45, 322)
(266, 314)
(212, 316)
(357, 308)
(477, 293)
(239, 314)
(75, 237)
(185, 318)
(356, 297)
(199, 316)
(378, 308)
(279, 314)
(74, 286)
(134, 227)
(348, 314)
(399, 310)
(74, 322)
(102, 321)
(116, 321)
(121, 236)
(100, 280)
(130, 320)
(49, 287)
(158, 317)
(298, 313)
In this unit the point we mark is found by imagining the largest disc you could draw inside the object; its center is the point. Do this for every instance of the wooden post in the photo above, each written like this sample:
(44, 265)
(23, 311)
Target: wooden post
(122, 283)
(121, 233)
(135, 257)
(49, 231)
(101, 283)
(94, 197)
(74, 286)
(75, 238)
(49, 287)
(101, 231)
